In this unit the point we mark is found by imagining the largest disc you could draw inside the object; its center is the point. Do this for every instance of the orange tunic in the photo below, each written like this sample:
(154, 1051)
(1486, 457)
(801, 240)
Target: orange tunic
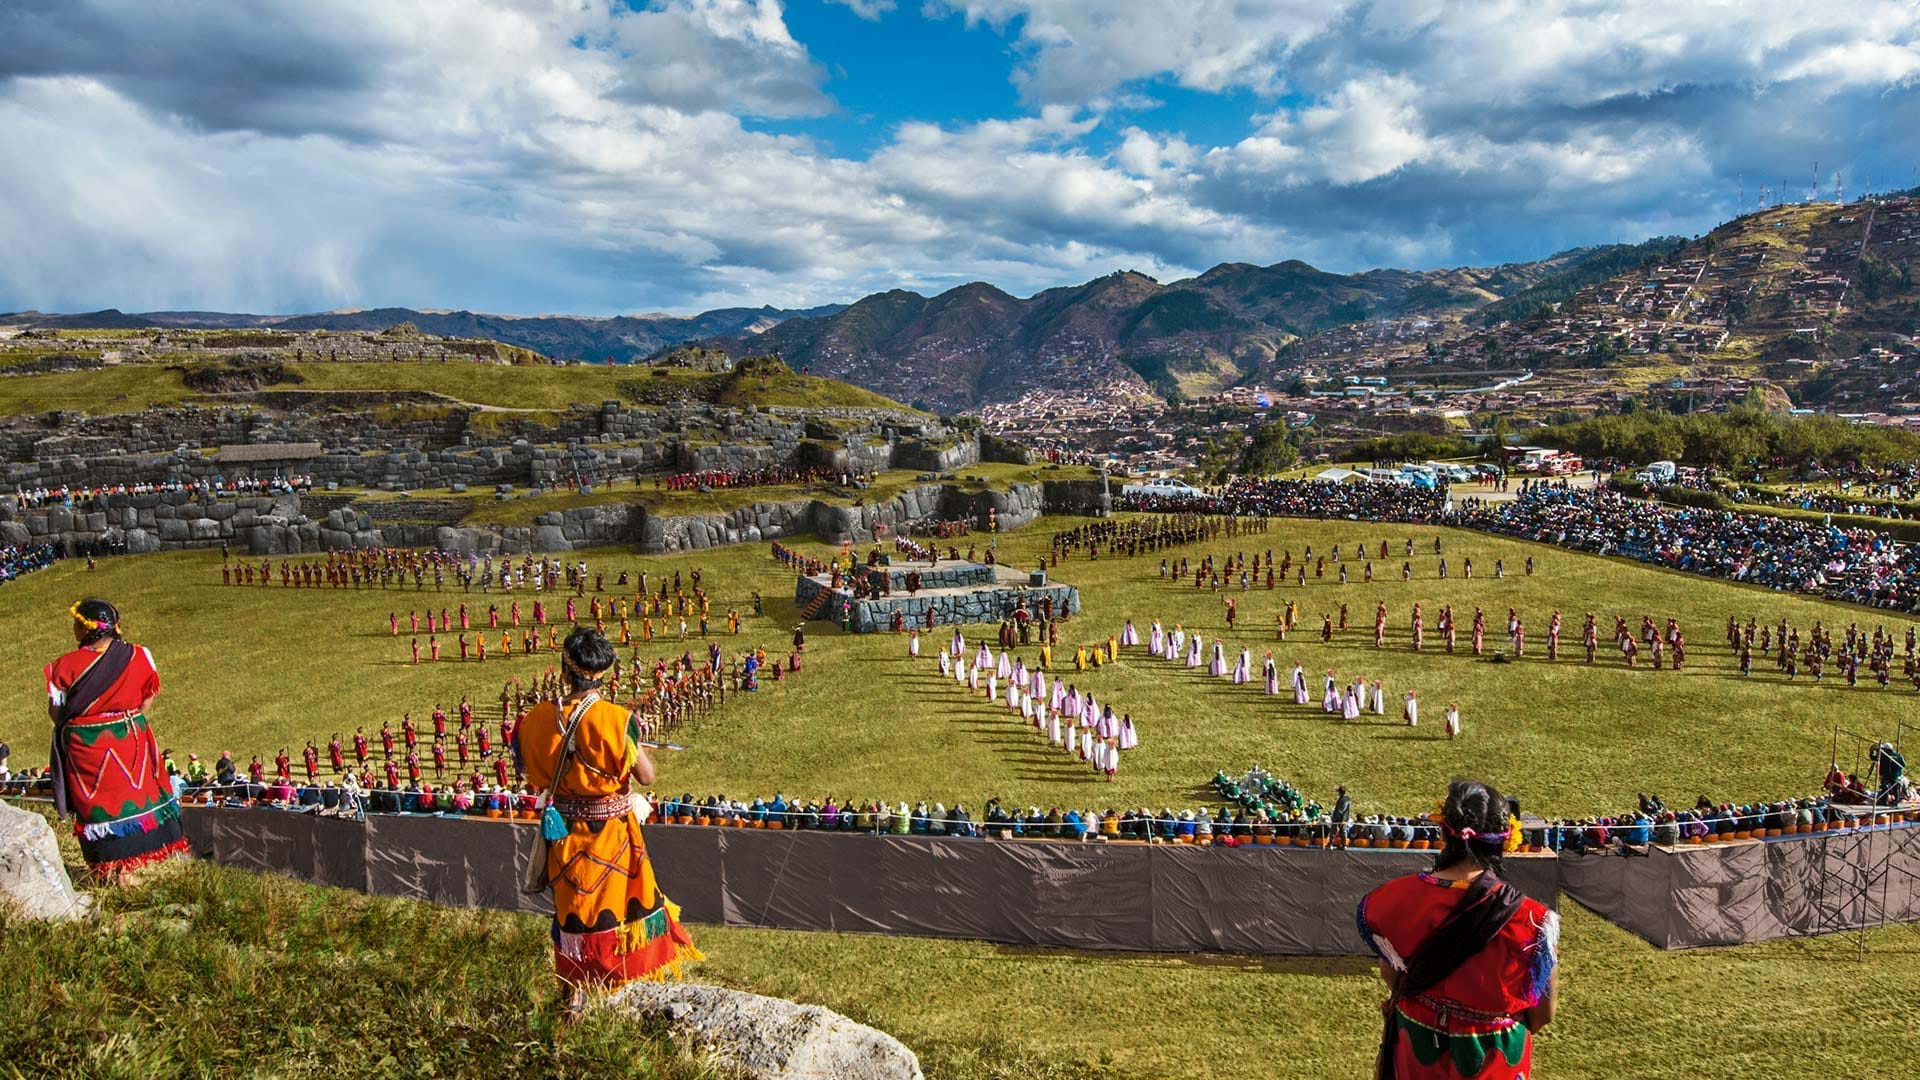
(611, 923)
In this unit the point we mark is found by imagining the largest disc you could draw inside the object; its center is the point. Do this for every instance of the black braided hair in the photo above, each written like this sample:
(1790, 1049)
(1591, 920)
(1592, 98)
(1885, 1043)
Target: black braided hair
(1476, 808)
(98, 618)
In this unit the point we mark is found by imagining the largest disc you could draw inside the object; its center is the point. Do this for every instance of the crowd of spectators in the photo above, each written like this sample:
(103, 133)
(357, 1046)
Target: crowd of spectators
(1255, 809)
(217, 487)
(767, 476)
(18, 561)
(1855, 565)
(1247, 497)
(1861, 566)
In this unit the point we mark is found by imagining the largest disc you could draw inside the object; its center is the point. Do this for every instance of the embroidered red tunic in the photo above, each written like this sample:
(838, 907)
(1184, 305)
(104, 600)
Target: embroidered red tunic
(1469, 1024)
(117, 789)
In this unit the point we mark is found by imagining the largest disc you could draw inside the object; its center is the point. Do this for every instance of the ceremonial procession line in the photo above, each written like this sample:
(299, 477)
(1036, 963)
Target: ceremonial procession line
(1069, 719)
(1348, 701)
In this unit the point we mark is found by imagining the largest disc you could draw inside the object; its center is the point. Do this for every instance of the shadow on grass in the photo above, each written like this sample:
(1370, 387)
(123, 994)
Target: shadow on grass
(1058, 778)
(1271, 965)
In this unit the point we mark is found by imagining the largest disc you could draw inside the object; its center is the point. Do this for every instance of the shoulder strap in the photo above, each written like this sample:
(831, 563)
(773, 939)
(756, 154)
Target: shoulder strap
(1481, 913)
(566, 743)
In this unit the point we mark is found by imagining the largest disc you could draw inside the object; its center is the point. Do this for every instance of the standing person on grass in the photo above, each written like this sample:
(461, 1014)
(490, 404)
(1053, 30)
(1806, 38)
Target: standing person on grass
(1469, 962)
(611, 923)
(107, 772)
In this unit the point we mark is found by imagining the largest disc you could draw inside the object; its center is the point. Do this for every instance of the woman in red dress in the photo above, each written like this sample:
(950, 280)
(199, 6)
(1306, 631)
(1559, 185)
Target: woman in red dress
(108, 775)
(1469, 961)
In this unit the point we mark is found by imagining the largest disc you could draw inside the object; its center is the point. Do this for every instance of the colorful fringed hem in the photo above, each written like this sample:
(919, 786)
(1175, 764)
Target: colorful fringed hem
(131, 825)
(653, 947)
(113, 848)
(114, 868)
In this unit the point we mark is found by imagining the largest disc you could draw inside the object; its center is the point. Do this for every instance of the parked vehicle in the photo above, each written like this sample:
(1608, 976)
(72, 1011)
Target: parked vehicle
(1660, 472)
(1164, 489)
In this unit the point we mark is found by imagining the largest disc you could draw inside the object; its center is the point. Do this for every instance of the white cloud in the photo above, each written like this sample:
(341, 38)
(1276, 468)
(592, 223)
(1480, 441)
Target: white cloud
(1077, 51)
(870, 10)
(583, 155)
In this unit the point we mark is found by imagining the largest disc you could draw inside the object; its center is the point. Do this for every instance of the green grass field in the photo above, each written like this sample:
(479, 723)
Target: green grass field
(254, 670)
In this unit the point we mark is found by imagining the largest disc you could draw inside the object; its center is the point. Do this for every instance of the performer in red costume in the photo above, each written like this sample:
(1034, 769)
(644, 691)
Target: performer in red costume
(107, 772)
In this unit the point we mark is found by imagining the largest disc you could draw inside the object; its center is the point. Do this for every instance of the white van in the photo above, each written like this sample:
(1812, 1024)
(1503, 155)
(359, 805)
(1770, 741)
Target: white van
(1660, 472)
(1163, 489)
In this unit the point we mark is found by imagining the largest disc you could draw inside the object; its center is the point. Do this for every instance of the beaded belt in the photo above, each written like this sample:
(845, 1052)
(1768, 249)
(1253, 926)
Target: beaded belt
(1447, 1010)
(601, 809)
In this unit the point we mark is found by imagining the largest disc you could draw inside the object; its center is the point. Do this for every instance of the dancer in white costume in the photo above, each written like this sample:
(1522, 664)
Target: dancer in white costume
(1410, 709)
(1330, 696)
(1219, 665)
(1270, 675)
(1379, 699)
(1299, 681)
(1453, 720)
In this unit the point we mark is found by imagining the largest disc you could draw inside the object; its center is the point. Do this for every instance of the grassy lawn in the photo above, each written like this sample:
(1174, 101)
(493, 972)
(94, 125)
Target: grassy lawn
(255, 669)
(259, 669)
(303, 982)
(416, 989)
(132, 387)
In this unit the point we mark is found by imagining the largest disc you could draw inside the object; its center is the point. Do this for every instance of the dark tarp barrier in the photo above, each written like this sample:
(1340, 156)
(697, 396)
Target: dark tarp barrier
(1272, 900)
(687, 864)
(1732, 894)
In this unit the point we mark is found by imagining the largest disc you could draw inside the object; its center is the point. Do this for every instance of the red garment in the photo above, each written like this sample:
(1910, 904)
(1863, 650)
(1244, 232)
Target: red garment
(136, 685)
(1474, 1012)
(116, 788)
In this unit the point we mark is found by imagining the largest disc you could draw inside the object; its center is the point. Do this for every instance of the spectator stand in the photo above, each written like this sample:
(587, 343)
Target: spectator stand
(1855, 890)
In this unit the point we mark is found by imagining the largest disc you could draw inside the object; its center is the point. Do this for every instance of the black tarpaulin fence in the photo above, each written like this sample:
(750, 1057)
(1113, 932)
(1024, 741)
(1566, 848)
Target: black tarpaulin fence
(1121, 896)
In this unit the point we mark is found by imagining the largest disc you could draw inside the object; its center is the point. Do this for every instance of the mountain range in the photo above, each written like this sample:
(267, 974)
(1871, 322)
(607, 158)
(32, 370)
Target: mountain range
(1234, 324)
(621, 338)
(975, 343)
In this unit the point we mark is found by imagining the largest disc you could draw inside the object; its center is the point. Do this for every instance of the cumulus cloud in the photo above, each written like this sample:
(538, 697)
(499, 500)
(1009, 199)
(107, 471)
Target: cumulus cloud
(594, 156)
(867, 9)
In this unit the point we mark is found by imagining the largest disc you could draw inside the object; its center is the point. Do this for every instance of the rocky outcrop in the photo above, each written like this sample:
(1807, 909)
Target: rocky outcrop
(280, 525)
(984, 604)
(769, 1038)
(33, 880)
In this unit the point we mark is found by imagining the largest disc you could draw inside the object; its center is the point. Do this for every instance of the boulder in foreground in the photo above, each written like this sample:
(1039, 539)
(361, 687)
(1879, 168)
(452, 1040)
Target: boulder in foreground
(33, 880)
(770, 1038)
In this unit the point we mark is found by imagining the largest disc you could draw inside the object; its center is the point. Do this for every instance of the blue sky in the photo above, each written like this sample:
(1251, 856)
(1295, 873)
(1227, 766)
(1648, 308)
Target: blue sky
(601, 157)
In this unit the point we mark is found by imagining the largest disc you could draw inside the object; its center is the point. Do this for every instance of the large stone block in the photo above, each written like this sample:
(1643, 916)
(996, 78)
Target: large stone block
(33, 879)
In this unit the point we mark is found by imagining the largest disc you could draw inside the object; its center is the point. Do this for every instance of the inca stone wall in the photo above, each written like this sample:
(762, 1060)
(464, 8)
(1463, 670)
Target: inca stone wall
(409, 444)
(979, 605)
(281, 525)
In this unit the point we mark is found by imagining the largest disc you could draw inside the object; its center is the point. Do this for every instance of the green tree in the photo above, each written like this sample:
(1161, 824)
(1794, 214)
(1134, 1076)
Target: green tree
(1271, 449)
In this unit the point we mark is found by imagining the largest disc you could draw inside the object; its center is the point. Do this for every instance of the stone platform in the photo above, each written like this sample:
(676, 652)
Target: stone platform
(956, 592)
